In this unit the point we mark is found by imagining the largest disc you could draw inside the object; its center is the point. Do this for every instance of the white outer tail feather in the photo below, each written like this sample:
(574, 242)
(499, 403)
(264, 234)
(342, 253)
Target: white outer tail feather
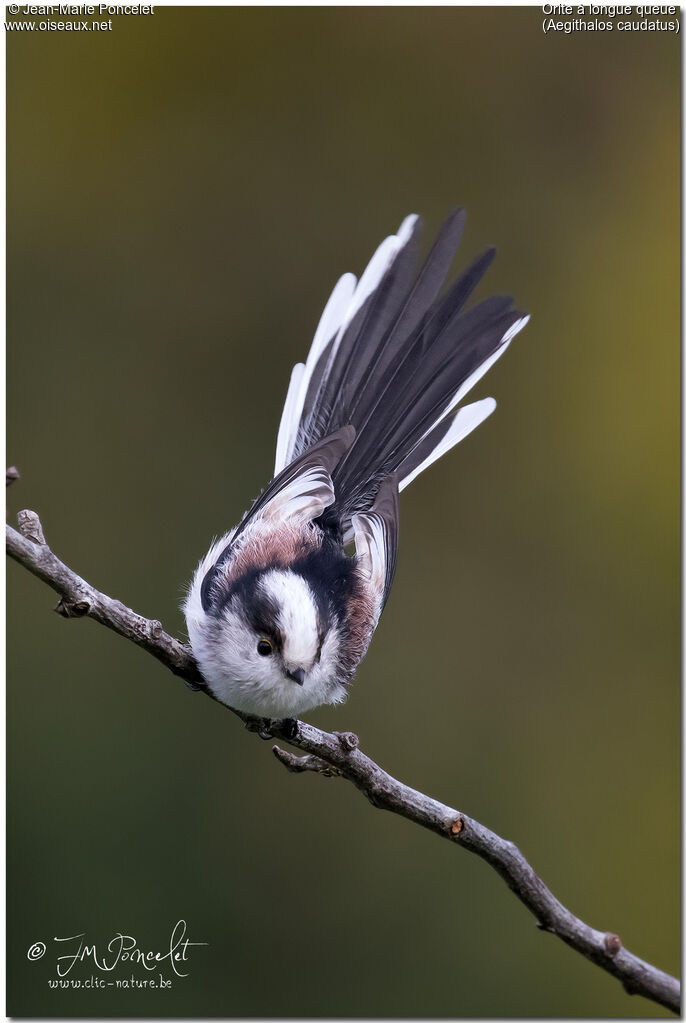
(345, 300)
(289, 416)
(466, 420)
(472, 380)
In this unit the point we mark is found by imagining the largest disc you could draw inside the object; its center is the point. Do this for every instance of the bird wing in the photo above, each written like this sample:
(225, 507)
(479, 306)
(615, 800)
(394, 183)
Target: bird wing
(298, 494)
(304, 488)
(376, 540)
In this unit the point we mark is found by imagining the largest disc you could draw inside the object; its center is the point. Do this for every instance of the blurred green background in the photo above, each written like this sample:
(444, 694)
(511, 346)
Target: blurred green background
(183, 193)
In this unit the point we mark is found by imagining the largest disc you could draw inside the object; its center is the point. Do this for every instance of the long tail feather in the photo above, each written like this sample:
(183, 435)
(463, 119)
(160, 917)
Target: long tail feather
(394, 360)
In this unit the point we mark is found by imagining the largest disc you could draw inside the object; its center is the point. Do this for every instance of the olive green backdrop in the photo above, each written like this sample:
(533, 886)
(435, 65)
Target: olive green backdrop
(183, 193)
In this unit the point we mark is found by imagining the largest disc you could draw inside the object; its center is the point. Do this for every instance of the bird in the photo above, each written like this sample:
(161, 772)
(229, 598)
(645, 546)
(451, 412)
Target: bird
(281, 610)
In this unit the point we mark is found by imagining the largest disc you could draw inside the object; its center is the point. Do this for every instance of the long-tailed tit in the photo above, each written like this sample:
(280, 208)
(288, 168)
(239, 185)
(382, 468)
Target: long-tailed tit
(279, 614)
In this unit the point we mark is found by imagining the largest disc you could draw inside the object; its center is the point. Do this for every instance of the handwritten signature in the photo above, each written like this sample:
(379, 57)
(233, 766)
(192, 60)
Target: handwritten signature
(123, 948)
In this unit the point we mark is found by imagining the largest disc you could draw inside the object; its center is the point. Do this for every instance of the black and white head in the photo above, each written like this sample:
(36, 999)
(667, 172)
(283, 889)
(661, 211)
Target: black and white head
(281, 636)
(274, 642)
(269, 625)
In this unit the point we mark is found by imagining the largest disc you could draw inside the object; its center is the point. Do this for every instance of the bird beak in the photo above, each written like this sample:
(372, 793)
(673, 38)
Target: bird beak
(298, 676)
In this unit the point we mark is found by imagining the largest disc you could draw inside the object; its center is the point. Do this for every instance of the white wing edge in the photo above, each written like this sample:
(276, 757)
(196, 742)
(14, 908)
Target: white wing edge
(301, 500)
(369, 535)
(192, 604)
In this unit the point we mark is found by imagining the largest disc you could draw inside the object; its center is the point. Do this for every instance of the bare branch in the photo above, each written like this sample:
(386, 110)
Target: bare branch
(78, 599)
(338, 754)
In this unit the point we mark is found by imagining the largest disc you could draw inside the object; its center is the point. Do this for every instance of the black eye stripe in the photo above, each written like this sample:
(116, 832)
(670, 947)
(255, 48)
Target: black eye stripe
(259, 612)
(263, 616)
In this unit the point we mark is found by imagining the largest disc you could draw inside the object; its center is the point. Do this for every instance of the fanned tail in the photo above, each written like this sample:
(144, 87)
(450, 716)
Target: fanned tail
(394, 360)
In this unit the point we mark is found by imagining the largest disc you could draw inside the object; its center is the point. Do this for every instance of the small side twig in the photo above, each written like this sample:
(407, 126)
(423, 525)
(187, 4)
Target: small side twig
(308, 762)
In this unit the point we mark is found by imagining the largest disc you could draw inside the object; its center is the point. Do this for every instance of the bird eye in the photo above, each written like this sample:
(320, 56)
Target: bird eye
(264, 648)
